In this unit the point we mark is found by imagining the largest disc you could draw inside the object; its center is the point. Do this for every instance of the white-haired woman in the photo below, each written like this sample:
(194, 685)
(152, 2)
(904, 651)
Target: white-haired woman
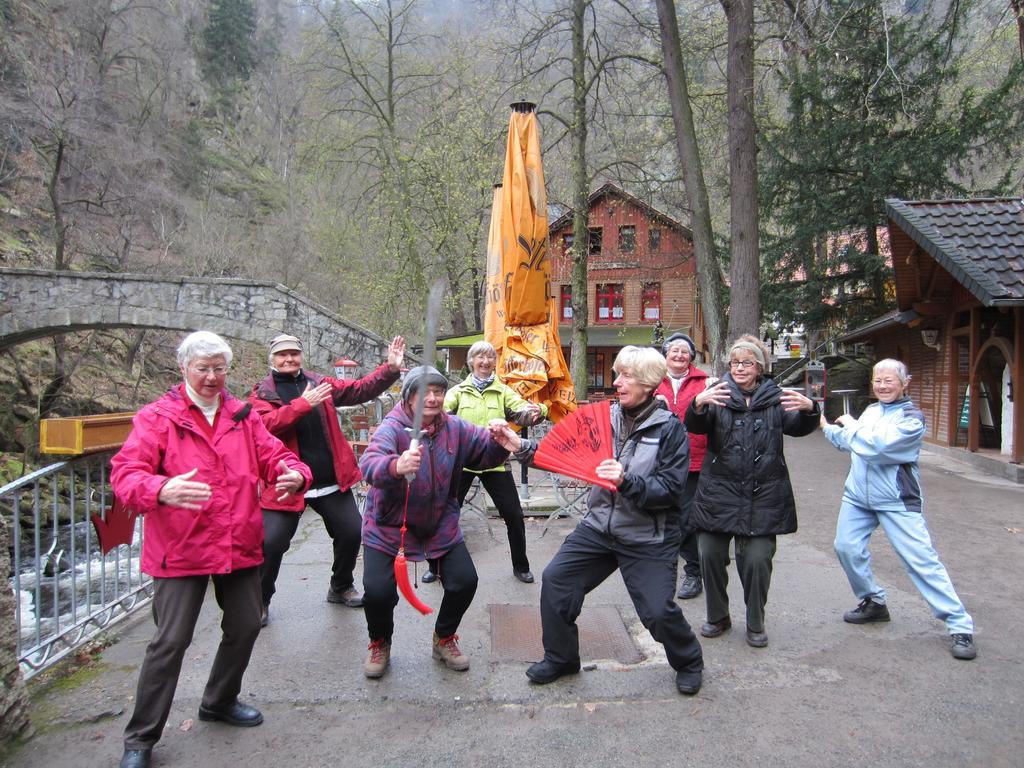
(744, 491)
(884, 488)
(634, 530)
(192, 466)
(479, 399)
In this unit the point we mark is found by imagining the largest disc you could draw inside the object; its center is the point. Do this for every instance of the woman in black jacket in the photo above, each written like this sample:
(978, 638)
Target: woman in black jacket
(744, 491)
(634, 530)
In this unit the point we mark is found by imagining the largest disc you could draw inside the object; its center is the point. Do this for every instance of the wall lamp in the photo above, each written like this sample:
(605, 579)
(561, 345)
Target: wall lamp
(930, 338)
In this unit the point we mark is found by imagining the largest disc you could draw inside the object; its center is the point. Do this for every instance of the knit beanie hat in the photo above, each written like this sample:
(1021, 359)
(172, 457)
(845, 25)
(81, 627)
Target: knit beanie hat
(677, 337)
(412, 379)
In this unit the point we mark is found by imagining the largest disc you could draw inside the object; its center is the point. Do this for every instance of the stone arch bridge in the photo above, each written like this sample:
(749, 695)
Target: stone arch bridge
(37, 303)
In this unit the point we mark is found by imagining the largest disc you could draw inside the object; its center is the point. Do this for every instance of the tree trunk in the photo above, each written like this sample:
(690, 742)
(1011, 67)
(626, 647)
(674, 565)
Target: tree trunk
(57, 381)
(581, 207)
(133, 351)
(708, 270)
(745, 300)
(59, 227)
(878, 277)
(1018, 11)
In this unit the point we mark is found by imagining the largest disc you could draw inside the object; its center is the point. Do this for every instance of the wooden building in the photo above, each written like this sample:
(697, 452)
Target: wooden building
(958, 267)
(641, 277)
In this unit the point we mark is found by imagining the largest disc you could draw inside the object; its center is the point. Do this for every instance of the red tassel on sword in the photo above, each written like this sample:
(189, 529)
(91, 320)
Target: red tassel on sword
(402, 567)
(405, 587)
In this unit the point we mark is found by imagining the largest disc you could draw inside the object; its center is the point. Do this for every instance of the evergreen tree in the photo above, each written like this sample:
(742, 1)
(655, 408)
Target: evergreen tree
(229, 42)
(878, 106)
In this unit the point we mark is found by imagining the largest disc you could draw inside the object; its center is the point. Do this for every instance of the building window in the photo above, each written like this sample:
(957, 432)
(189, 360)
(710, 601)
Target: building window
(567, 241)
(650, 302)
(596, 235)
(566, 303)
(627, 238)
(609, 303)
(654, 240)
(595, 370)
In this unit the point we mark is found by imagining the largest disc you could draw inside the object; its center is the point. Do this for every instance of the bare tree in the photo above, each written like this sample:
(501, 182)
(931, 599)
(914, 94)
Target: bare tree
(744, 268)
(568, 59)
(708, 268)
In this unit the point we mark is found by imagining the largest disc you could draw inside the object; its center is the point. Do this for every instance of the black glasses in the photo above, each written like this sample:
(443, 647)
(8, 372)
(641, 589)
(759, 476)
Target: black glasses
(741, 363)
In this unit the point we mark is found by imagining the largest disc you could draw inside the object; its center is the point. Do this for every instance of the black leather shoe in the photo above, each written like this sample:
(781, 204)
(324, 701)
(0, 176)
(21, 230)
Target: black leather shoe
(136, 758)
(867, 612)
(716, 628)
(524, 576)
(237, 714)
(756, 639)
(265, 616)
(688, 683)
(545, 671)
(429, 577)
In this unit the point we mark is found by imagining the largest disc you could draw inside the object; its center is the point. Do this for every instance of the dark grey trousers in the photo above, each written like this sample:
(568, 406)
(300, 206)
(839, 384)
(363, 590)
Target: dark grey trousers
(502, 488)
(753, 562)
(176, 605)
(688, 544)
(380, 591)
(586, 559)
(344, 525)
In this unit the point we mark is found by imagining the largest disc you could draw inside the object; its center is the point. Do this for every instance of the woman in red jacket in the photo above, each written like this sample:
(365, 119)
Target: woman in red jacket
(191, 466)
(683, 383)
(298, 407)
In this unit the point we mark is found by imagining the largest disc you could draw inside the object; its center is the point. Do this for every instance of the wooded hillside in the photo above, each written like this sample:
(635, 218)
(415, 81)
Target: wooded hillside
(348, 149)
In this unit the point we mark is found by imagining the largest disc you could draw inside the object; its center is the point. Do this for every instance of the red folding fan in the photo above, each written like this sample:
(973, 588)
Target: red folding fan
(578, 443)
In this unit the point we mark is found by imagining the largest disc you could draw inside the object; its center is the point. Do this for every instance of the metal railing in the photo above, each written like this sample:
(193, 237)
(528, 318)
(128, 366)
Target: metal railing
(66, 590)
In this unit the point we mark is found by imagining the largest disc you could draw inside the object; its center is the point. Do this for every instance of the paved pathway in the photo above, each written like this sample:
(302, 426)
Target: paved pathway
(823, 693)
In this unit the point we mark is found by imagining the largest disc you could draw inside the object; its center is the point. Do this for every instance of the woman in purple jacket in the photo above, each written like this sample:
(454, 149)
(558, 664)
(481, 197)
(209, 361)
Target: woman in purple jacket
(429, 506)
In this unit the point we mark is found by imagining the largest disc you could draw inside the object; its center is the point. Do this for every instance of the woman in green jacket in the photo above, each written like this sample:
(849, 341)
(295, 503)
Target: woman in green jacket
(479, 399)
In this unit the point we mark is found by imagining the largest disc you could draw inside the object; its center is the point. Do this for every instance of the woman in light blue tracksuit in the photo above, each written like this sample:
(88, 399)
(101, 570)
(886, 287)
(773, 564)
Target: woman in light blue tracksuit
(884, 488)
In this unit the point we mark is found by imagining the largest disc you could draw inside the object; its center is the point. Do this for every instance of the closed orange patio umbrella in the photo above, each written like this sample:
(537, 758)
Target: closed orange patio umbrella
(530, 356)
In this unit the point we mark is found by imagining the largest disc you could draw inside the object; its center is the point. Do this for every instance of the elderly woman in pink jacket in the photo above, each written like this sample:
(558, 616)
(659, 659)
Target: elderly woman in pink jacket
(193, 465)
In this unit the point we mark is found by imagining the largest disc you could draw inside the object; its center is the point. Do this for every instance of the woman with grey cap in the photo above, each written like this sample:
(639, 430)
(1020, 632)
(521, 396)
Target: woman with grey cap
(683, 383)
(297, 406)
(744, 493)
(413, 503)
(480, 398)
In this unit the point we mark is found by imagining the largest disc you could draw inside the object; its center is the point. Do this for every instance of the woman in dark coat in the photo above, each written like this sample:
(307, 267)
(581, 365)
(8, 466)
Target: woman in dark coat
(633, 530)
(744, 491)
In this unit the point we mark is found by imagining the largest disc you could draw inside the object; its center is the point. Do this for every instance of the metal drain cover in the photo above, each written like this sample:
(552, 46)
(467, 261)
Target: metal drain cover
(516, 634)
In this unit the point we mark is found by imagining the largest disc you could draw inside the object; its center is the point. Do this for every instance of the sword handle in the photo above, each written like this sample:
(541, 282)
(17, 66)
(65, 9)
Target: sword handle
(414, 445)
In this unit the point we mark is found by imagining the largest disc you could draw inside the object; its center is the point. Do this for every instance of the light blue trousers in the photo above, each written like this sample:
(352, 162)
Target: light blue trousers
(909, 536)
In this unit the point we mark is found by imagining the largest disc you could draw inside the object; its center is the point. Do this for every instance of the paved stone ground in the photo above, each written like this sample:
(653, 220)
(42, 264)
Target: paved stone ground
(823, 693)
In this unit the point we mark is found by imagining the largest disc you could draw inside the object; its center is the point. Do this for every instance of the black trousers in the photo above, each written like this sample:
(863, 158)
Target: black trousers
(380, 591)
(586, 559)
(688, 549)
(502, 489)
(753, 561)
(340, 514)
(176, 605)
